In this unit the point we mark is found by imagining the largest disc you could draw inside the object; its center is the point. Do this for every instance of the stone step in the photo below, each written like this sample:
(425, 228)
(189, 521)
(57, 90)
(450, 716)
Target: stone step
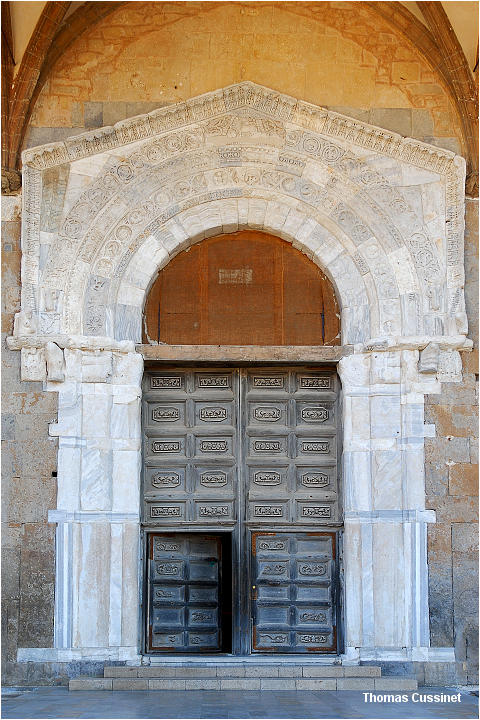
(249, 670)
(243, 683)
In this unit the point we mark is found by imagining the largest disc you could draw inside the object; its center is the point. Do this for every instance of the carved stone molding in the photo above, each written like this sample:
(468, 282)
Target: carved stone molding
(381, 214)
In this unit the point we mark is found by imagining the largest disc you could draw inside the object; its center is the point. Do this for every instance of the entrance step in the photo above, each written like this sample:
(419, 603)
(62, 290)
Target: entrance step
(243, 677)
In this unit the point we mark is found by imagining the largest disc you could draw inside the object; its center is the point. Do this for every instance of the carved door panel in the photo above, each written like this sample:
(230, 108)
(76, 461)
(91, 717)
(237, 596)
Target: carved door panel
(293, 592)
(185, 593)
(242, 451)
(190, 445)
(290, 447)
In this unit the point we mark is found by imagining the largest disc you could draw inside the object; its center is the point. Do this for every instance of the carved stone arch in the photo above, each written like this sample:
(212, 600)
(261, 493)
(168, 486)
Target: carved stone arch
(353, 192)
(354, 295)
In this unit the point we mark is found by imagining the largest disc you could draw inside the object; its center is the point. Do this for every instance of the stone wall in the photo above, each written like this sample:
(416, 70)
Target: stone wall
(29, 462)
(338, 55)
(452, 491)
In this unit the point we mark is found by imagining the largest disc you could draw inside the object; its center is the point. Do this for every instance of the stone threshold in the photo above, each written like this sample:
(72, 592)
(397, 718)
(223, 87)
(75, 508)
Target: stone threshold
(181, 660)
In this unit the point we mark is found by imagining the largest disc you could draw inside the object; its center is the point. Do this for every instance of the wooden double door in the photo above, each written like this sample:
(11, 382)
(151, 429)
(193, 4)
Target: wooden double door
(241, 510)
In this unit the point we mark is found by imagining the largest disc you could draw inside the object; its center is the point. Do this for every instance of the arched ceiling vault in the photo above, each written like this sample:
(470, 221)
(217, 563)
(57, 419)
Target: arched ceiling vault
(60, 23)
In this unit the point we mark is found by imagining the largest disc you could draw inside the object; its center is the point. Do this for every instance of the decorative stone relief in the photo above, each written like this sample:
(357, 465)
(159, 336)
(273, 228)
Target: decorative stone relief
(244, 142)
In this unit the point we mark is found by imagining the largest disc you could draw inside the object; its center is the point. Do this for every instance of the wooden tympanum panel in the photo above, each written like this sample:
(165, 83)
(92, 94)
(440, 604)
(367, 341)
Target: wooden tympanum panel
(245, 288)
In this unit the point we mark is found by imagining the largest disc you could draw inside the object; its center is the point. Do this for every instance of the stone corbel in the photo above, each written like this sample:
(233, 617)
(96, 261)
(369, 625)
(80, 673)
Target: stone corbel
(55, 363)
(429, 358)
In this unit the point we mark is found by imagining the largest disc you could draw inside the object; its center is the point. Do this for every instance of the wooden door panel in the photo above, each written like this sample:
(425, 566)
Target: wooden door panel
(246, 450)
(184, 592)
(293, 592)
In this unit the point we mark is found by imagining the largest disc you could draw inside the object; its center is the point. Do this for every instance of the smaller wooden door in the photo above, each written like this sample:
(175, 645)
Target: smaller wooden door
(184, 592)
(293, 592)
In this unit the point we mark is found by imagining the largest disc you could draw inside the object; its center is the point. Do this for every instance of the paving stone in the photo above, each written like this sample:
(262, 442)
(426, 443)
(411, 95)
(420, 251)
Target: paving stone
(394, 683)
(48, 702)
(120, 671)
(166, 684)
(86, 683)
(240, 683)
(277, 683)
(132, 683)
(356, 683)
(317, 683)
(205, 683)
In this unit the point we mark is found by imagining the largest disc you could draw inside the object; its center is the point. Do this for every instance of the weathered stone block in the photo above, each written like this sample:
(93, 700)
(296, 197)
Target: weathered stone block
(262, 671)
(395, 684)
(440, 674)
(113, 112)
(132, 683)
(457, 509)
(447, 450)
(289, 671)
(278, 683)
(240, 683)
(230, 671)
(439, 543)
(196, 672)
(422, 123)
(397, 120)
(362, 671)
(465, 538)
(90, 684)
(356, 684)
(436, 480)
(8, 426)
(440, 604)
(463, 479)
(10, 573)
(93, 114)
(166, 684)
(461, 421)
(157, 672)
(325, 671)
(204, 683)
(120, 671)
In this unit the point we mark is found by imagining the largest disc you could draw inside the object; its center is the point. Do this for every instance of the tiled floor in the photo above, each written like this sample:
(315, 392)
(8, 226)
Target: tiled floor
(59, 703)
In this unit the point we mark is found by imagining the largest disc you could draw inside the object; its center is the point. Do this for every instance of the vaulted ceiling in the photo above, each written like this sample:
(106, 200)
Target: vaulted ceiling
(35, 34)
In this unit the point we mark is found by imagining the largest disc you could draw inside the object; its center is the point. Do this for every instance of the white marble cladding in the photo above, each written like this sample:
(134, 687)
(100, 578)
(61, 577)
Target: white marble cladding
(385, 555)
(381, 214)
(98, 501)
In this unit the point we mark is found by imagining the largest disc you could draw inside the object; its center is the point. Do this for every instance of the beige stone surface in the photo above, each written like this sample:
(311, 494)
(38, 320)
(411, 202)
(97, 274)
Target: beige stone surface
(341, 56)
